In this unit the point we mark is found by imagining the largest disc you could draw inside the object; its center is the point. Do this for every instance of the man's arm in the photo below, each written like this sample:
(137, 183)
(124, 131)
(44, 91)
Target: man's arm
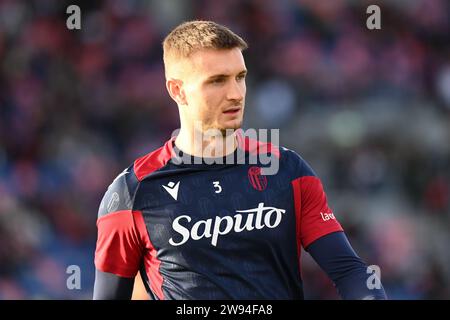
(121, 240)
(108, 286)
(319, 232)
(337, 258)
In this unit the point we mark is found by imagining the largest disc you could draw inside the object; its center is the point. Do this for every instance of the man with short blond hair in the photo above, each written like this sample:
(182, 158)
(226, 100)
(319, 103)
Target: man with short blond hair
(199, 218)
(198, 35)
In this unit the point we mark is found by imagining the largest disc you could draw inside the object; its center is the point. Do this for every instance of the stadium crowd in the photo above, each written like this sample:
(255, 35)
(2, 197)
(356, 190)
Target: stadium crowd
(368, 109)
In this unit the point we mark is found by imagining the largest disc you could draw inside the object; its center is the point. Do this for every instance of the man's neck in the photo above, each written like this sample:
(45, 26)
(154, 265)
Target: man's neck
(198, 144)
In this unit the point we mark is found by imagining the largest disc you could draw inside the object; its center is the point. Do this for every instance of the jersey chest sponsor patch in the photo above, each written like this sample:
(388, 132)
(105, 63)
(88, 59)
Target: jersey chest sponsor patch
(213, 228)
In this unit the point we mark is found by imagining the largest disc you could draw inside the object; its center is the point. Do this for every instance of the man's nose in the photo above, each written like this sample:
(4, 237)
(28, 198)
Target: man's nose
(236, 91)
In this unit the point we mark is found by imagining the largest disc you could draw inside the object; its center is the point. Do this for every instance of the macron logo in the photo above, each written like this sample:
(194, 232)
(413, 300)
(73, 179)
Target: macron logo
(172, 189)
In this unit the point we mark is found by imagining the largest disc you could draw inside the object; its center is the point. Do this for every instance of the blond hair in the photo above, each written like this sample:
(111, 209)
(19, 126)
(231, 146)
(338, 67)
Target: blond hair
(195, 35)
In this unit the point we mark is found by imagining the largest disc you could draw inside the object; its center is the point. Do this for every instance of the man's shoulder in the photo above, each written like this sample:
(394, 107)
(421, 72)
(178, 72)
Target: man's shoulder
(295, 162)
(152, 161)
(121, 192)
(289, 155)
(119, 195)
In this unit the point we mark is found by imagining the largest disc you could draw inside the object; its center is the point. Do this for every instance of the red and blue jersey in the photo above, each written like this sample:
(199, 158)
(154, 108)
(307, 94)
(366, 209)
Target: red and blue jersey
(213, 231)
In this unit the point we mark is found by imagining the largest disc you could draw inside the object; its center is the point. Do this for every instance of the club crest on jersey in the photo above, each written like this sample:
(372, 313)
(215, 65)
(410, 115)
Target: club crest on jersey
(257, 180)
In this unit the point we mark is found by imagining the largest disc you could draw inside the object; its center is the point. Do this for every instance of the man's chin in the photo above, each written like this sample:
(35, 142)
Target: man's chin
(225, 128)
(231, 128)
(232, 125)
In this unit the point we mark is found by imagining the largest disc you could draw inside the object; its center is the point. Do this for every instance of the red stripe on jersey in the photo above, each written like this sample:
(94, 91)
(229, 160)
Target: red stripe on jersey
(153, 161)
(315, 218)
(151, 261)
(255, 146)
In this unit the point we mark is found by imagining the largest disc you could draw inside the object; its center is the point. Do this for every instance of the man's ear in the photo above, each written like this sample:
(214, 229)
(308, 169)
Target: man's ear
(176, 91)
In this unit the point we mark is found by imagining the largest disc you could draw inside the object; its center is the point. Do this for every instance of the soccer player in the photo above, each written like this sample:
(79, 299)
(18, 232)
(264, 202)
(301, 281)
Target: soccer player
(216, 226)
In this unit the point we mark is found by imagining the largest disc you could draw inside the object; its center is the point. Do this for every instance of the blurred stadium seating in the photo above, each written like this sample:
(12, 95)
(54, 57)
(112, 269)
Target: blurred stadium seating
(369, 110)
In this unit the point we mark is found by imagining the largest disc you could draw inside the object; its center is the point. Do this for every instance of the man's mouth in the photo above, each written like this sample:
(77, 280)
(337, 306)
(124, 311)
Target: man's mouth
(232, 110)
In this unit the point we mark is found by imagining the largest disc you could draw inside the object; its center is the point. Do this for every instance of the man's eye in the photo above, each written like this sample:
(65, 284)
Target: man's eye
(241, 77)
(218, 81)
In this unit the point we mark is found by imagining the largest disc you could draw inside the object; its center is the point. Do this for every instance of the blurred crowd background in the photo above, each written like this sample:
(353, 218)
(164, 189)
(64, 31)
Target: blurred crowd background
(368, 109)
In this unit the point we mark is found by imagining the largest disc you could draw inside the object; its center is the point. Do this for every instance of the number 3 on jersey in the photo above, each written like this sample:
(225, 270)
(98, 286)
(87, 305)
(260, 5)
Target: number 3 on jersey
(218, 186)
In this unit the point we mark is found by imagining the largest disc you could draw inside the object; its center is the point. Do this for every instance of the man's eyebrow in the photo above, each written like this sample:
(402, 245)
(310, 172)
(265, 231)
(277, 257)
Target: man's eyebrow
(223, 75)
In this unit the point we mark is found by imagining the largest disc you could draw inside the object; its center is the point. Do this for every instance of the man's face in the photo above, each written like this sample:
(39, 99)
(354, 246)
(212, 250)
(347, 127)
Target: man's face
(215, 89)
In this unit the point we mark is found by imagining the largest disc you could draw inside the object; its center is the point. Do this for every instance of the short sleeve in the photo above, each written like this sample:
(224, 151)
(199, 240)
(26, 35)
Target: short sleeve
(119, 247)
(316, 217)
(313, 215)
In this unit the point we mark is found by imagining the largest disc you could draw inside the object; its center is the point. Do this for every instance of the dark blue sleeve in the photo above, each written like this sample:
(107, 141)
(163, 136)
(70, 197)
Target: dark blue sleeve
(108, 286)
(334, 254)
